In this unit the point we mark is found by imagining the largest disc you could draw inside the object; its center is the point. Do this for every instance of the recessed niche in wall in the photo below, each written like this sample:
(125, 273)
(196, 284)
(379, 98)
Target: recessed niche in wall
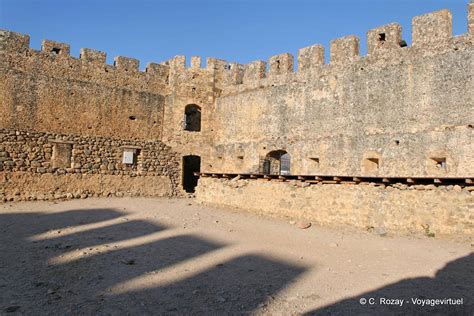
(240, 157)
(132, 118)
(62, 152)
(437, 164)
(315, 162)
(371, 164)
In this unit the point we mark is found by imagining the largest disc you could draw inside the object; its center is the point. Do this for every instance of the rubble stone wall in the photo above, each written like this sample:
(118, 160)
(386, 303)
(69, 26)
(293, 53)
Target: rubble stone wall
(37, 165)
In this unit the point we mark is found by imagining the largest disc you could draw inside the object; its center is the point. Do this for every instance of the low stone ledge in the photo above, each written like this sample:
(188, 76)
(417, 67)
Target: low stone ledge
(26, 186)
(433, 211)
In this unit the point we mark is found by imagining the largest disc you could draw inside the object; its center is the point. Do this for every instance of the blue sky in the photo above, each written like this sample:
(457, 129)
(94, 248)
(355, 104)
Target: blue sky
(234, 30)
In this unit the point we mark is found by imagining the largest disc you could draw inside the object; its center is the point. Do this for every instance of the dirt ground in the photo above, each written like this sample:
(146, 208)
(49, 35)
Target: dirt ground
(158, 256)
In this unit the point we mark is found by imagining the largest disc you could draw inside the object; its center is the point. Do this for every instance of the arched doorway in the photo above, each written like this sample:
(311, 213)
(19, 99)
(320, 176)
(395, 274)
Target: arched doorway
(277, 162)
(192, 118)
(191, 164)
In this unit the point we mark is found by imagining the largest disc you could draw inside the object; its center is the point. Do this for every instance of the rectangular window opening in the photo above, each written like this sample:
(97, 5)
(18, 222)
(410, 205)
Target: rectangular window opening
(382, 37)
(130, 156)
(56, 50)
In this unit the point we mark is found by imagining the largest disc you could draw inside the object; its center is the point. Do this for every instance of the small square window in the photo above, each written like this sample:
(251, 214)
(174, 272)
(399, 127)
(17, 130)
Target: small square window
(130, 156)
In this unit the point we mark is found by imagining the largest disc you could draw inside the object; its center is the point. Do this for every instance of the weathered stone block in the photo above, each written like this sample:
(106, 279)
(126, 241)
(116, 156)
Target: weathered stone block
(14, 42)
(57, 48)
(281, 64)
(92, 56)
(254, 71)
(196, 62)
(126, 63)
(470, 18)
(235, 75)
(383, 38)
(310, 57)
(344, 50)
(432, 29)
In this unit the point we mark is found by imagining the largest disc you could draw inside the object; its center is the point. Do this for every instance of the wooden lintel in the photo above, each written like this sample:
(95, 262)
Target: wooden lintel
(337, 179)
(330, 181)
(348, 182)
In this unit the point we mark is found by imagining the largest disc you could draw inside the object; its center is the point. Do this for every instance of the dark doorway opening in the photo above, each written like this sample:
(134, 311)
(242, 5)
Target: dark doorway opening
(276, 162)
(191, 164)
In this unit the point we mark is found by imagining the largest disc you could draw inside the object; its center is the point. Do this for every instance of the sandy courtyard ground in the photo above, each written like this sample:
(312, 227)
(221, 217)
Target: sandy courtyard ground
(159, 256)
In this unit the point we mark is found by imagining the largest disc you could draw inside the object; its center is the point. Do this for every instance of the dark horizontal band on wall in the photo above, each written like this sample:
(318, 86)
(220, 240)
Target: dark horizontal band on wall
(345, 179)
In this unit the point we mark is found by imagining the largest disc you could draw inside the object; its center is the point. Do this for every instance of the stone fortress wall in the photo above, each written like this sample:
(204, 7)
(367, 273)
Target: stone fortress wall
(49, 90)
(399, 111)
(407, 108)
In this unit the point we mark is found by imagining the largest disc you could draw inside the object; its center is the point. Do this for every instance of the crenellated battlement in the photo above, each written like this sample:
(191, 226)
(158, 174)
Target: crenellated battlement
(55, 60)
(431, 34)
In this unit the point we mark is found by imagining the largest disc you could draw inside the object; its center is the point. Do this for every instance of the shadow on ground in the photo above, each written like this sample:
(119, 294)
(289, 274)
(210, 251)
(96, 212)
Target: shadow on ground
(455, 281)
(30, 284)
